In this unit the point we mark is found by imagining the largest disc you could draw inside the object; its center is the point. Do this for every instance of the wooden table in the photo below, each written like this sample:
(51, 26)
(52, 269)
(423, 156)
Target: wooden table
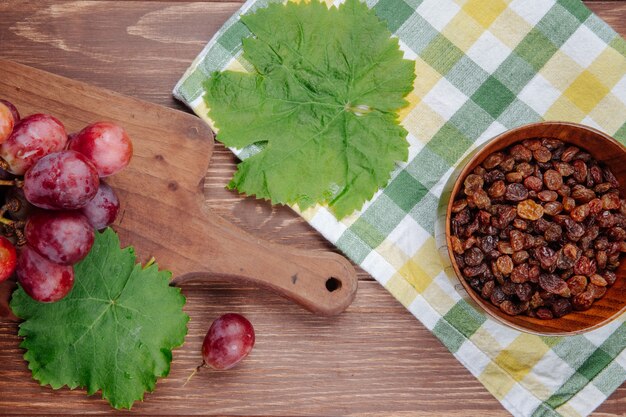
(375, 359)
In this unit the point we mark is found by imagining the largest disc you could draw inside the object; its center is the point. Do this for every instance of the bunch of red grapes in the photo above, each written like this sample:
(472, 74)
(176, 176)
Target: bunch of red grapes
(54, 196)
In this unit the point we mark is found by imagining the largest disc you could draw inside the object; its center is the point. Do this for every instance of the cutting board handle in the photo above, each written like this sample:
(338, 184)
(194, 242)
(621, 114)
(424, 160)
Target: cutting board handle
(323, 282)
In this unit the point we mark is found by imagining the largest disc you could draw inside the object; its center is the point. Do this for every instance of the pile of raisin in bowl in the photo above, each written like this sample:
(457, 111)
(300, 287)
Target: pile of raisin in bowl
(538, 229)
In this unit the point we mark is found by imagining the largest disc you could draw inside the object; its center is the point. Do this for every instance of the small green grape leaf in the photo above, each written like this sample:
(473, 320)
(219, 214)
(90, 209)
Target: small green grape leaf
(322, 100)
(114, 331)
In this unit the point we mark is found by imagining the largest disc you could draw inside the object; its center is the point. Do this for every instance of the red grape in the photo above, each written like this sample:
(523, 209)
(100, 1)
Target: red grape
(61, 180)
(7, 258)
(102, 210)
(33, 137)
(14, 112)
(43, 280)
(63, 237)
(7, 121)
(106, 145)
(228, 341)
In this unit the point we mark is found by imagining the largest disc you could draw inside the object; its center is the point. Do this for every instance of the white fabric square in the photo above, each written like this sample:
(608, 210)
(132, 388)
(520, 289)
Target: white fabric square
(408, 52)
(599, 336)
(473, 358)
(619, 90)
(424, 312)
(590, 122)
(445, 99)
(523, 402)
(551, 371)
(587, 399)
(328, 225)
(415, 146)
(539, 94)
(408, 236)
(378, 267)
(583, 46)
(446, 283)
(532, 10)
(438, 12)
(493, 130)
(488, 52)
(503, 334)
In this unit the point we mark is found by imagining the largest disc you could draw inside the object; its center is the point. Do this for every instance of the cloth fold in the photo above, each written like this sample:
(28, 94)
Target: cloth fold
(482, 66)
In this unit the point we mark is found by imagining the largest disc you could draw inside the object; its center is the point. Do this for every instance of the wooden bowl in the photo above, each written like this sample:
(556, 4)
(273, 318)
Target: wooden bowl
(604, 149)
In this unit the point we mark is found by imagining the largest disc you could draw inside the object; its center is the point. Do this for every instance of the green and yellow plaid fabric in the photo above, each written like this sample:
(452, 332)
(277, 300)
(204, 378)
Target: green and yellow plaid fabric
(483, 66)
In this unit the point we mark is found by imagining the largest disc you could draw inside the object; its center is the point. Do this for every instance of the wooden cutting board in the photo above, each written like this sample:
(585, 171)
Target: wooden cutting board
(162, 212)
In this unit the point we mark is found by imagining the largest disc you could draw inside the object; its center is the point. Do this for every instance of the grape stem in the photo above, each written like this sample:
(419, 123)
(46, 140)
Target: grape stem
(12, 183)
(195, 371)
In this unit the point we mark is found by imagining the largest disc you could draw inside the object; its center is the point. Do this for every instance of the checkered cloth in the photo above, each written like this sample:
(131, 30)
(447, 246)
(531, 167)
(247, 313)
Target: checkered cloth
(483, 66)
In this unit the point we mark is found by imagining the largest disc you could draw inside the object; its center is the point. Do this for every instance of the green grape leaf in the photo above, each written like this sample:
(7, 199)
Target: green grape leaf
(114, 331)
(321, 102)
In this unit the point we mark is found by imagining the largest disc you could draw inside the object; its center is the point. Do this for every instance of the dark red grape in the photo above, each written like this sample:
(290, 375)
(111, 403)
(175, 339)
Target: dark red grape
(33, 137)
(43, 280)
(228, 341)
(63, 237)
(14, 112)
(61, 180)
(106, 144)
(8, 258)
(102, 210)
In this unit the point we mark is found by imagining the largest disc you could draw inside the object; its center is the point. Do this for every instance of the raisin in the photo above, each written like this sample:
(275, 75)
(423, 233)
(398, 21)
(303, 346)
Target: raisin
(505, 247)
(525, 169)
(580, 213)
(520, 274)
(583, 301)
(616, 234)
(480, 171)
(585, 266)
(595, 206)
(533, 273)
(596, 174)
(520, 257)
(577, 284)
(553, 208)
(497, 296)
(523, 292)
(564, 191)
(563, 168)
(552, 143)
(574, 231)
(596, 291)
(601, 259)
(473, 183)
(544, 313)
(547, 195)
(474, 271)
(484, 217)
(494, 175)
(606, 219)
(533, 183)
(568, 203)
(463, 217)
(569, 153)
(580, 170)
(582, 193)
(474, 257)
(602, 187)
(507, 215)
(610, 201)
(532, 144)
(521, 153)
(511, 308)
(529, 210)
(508, 164)
(536, 300)
(542, 225)
(546, 256)
(493, 160)
(505, 264)
(553, 233)
(552, 180)
(497, 189)
(542, 154)
(609, 177)
(610, 277)
(488, 243)
(598, 280)
(514, 177)
(508, 288)
(480, 199)
(516, 192)
(517, 240)
(561, 307)
(456, 244)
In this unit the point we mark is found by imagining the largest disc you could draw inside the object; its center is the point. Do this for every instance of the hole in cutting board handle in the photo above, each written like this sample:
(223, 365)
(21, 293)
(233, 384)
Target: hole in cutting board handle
(333, 284)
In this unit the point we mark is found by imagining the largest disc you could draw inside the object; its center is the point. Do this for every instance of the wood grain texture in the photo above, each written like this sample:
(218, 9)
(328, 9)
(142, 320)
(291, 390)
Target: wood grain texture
(375, 359)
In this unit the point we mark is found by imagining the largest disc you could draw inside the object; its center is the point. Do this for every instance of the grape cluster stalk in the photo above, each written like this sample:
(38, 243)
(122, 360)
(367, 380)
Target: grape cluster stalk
(54, 196)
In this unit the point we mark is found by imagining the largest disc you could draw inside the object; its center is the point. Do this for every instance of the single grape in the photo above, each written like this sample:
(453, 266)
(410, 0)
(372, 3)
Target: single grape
(14, 112)
(102, 210)
(61, 180)
(33, 137)
(7, 122)
(8, 258)
(106, 144)
(43, 280)
(63, 237)
(229, 339)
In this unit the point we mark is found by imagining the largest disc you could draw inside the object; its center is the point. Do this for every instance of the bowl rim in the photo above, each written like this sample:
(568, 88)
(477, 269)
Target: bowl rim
(462, 173)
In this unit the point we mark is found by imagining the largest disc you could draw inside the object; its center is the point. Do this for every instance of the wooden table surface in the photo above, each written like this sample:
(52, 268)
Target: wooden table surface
(375, 359)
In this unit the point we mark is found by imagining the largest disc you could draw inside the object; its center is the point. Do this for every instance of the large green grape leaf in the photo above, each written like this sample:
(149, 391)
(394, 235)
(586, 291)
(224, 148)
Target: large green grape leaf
(114, 331)
(322, 102)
